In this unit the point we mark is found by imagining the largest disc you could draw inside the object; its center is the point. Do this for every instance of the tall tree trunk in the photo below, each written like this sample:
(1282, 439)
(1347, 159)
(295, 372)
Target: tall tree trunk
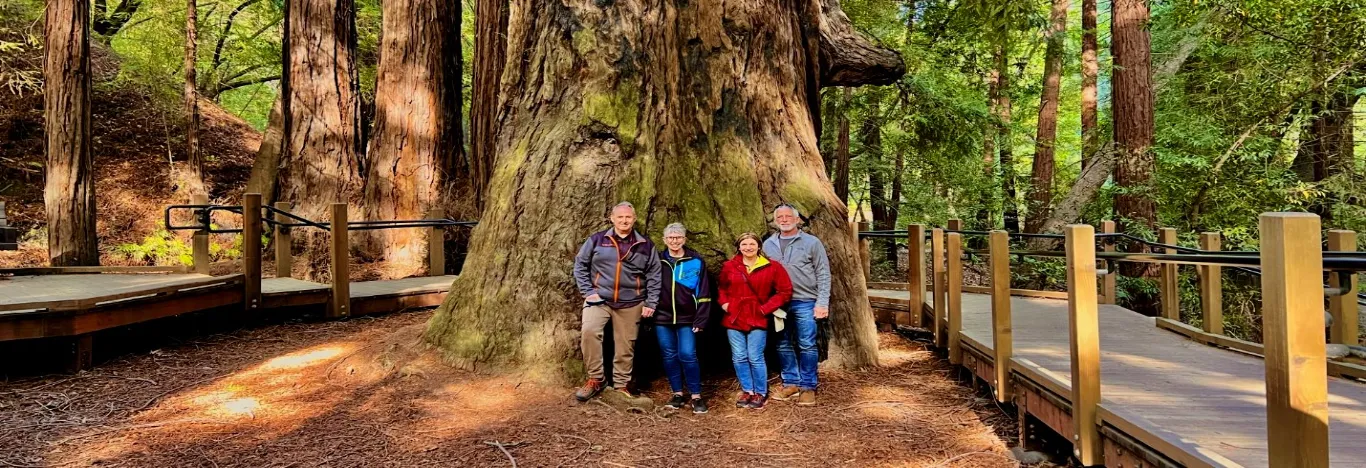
(416, 141)
(1010, 208)
(322, 125)
(986, 219)
(1133, 114)
(490, 56)
(1041, 179)
(69, 193)
(1326, 145)
(192, 180)
(108, 24)
(842, 148)
(713, 140)
(266, 167)
(1090, 68)
(871, 135)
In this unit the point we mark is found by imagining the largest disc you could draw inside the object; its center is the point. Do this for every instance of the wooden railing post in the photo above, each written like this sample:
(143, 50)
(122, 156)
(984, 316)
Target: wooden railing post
(915, 275)
(940, 286)
(1211, 288)
(1107, 282)
(864, 252)
(1000, 312)
(1343, 307)
(283, 240)
(199, 243)
(341, 263)
(955, 225)
(1170, 297)
(1292, 330)
(954, 294)
(436, 245)
(1084, 331)
(251, 251)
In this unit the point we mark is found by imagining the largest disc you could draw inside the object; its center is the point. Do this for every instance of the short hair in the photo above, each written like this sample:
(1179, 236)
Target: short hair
(624, 204)
(748, 235)
(675, 228)
(789, 206)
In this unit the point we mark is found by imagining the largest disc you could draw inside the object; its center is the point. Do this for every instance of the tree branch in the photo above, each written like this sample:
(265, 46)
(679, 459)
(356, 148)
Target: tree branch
(227, 28)
(848, 58)
(241, 83)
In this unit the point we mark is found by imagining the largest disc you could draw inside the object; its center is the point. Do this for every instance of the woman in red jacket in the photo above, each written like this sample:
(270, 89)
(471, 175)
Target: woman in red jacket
(751, 288)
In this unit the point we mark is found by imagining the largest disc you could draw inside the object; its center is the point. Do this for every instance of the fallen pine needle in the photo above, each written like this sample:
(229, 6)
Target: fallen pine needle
(504, 449)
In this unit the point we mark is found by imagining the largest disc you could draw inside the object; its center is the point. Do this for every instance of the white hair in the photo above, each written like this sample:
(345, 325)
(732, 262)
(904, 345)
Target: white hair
(790, 207)
(624, 204)
(675, 228)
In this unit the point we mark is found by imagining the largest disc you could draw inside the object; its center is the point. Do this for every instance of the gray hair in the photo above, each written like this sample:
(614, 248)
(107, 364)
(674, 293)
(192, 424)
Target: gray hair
(675, 228)
(624, 204)
(790, 207)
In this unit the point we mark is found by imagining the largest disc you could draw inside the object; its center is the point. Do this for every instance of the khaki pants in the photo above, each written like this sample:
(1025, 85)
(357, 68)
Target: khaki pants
(624, 329)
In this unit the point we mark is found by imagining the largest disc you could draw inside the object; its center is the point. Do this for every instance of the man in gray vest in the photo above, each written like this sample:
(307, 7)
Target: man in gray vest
(803, 255)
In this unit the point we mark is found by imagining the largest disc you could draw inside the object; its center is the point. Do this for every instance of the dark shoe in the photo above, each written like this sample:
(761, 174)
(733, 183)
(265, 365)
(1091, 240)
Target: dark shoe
(589, 390)
(786, 392)
(744, 400)
(677, 401)
(807, 398)
(699, 406)
(757, 401)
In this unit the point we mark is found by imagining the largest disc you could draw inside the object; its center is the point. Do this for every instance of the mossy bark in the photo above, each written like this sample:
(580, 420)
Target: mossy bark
(698, 112)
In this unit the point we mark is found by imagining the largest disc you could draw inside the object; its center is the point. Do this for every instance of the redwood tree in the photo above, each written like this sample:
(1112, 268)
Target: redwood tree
(69, 193)
(1041, 186)
(490, 49)
(1089, 70)
(416, 141)
(842, 148)
(702, 112)
(1133, 115)
(192, 179)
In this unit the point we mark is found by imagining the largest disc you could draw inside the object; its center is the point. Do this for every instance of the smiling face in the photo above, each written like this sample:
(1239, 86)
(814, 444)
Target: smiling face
(787, 220)
(749, 247)
(675, 241)
(623, 219)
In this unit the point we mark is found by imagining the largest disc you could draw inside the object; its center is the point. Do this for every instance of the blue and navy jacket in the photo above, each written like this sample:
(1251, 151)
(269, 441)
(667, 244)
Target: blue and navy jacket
(688, 289)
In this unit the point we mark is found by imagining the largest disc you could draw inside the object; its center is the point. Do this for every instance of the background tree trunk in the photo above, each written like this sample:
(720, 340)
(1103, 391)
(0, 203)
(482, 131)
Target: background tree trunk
(1090, 68)
(322, 126)
(192, 180)
(842, 148)
(1010, 208)
(871, 134)
(1041, 186)
(1133, 114)
(69, 193)
(266, 166)
(416, 142)
(490, 55)
(986, 219)
(714, 140)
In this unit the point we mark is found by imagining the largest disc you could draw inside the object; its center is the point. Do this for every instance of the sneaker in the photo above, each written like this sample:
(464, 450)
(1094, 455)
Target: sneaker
(757, 401)
(786, 392)
(807, 398)
(699, 406)
(589, 390)
(677, 401)
(744, 400)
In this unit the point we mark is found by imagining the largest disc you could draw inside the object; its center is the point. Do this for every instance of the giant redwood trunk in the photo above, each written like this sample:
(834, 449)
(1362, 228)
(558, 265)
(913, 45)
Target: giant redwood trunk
(698, 112)
(490, 53)
(1041, 178)
(69, 193)
(322, 131)
(1133, 116)
(416, 140)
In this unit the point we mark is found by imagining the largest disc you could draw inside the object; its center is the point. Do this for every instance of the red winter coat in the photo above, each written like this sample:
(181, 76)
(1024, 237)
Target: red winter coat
(752, 295)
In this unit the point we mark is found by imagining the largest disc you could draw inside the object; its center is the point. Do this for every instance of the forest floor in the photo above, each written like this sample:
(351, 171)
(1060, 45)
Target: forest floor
(365, 392)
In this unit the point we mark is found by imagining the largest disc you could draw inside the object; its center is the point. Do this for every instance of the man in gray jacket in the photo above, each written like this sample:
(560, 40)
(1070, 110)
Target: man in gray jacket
(618, 274)
(803, 255)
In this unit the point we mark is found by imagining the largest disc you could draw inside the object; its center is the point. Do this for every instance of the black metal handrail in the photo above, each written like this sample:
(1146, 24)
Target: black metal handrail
(204, 213)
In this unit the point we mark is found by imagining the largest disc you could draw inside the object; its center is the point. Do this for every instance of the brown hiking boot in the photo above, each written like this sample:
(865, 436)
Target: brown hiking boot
(589, 390)
(807, 398)
(785, 393)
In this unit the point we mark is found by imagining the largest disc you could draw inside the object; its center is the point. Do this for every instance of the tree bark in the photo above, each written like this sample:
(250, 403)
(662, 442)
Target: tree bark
(842, 148)
(1041, 179)
(192, 181)
(1133, 114)
(69, 192)
(1010, 208)
(1084, 190)
(1326, 145)
(986, 219)
(1090, 69)
(416, 141)
(591, 116)
(490, 56)
(871, 135)
(266, 167)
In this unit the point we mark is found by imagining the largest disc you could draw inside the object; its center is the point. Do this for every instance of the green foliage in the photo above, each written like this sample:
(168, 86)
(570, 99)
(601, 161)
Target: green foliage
(160, 248)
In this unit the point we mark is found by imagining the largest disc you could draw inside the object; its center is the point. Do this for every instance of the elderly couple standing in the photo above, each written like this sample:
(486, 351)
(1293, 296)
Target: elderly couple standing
(786, 282)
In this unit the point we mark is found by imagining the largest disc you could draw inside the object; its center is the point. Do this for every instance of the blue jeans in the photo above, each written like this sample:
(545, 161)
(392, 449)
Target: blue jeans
(678, 345)
(747, 353)
(799, 367)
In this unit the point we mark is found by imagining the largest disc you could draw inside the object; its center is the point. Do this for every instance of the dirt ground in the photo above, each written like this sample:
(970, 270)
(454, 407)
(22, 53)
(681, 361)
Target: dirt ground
(365, 392)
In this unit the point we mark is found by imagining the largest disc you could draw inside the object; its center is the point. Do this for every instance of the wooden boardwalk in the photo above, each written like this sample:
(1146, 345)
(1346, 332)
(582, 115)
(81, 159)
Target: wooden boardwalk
(1197, 404)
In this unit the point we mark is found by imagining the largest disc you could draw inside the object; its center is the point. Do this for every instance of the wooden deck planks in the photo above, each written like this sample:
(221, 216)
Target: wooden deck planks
(1205, 399)
(60, 288)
